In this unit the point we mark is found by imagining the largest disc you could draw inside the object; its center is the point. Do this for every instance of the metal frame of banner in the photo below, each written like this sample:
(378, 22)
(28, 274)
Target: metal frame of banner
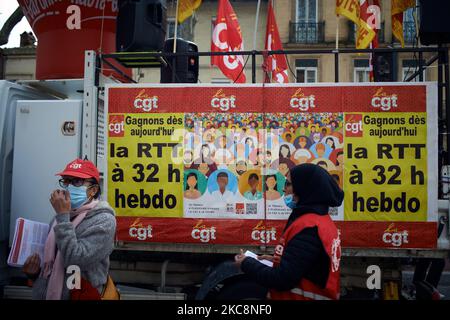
(442, 58)
(440, 50)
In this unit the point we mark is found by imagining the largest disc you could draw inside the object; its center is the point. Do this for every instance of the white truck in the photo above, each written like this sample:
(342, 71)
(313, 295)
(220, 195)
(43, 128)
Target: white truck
(45, 124)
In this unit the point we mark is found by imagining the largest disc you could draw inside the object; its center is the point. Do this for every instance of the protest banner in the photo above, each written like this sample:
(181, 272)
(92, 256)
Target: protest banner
(208, 164)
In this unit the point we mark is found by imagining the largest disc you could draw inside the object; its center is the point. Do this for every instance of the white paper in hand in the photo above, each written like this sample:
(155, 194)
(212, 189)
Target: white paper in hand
(29, 238)
(255, 256)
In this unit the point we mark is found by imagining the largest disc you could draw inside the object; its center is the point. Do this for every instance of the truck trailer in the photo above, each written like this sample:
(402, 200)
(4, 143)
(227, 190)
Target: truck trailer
(185, 250)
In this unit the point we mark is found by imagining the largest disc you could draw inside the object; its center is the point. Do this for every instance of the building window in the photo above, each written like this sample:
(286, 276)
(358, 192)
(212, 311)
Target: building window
(306, 28)
(409, 67)
(306, 11)
(185, 30)
(306, 70)
(409, 25)
(171, 28)
(361, 70)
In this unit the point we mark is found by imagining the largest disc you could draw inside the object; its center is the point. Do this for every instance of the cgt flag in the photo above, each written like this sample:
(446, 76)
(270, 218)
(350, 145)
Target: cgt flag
(226, 37)
(397, 8)
(274, 65)
(186, 8)
(369, 18)
(351, 10)
(370, 13)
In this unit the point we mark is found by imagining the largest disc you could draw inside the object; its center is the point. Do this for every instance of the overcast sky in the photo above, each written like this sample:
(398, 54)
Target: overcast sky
(6, 8)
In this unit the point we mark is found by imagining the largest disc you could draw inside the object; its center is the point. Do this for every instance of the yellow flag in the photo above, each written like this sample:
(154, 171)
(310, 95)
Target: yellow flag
(365, 35)
(397, 8)
(397, 28)
(348, 9)
(351, 10)
(186, 8)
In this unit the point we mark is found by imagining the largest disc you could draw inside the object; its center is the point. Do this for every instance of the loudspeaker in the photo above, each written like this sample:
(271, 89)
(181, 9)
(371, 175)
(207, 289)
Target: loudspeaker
(186, 66)
(141, 25)
(383, 67)
(434, 22)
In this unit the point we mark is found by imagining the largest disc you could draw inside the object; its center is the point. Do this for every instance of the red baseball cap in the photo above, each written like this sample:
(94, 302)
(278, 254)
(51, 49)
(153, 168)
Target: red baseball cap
(81, 169)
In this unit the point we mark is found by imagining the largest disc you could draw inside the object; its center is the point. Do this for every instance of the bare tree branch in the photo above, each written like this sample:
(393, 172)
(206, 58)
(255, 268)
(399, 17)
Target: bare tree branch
(9, 25)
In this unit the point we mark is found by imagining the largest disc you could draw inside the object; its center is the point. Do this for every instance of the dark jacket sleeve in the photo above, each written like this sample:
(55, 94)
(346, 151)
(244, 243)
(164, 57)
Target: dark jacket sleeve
(300, 255)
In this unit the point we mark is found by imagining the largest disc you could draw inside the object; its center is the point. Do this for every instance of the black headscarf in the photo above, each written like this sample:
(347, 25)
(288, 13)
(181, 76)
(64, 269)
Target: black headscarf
(316, 190)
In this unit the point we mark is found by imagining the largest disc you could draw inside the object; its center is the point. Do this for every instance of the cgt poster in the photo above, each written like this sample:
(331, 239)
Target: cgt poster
(208, 164)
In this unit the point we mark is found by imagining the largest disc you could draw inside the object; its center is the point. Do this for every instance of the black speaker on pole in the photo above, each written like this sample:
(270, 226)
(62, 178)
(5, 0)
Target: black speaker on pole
(384, 68)
(434, 22)
(180, 69)
(141, 25)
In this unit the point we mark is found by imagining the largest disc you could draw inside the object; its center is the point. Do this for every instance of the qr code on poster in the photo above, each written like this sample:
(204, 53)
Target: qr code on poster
(251, 208)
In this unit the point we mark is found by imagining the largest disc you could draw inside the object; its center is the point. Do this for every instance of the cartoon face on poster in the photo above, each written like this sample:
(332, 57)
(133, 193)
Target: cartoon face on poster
(236, 165)
(222, 150)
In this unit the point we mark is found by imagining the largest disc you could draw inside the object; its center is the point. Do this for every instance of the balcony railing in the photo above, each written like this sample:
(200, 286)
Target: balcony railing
(352, 33)
(306, 32)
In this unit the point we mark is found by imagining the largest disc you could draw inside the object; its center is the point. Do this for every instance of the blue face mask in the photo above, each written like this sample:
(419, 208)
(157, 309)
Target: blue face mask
(78, 196)
(289, 201)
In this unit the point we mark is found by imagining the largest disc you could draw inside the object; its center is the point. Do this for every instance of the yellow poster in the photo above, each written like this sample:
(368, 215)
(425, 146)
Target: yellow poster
(144, 170)
(385, 167)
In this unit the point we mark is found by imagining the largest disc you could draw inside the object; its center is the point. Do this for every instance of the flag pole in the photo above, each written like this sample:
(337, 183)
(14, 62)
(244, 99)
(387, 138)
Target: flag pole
(176, 29)
(337, 32)
(256, 24)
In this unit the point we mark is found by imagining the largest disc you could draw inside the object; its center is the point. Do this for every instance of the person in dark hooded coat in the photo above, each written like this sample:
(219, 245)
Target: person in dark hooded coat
(304, 256)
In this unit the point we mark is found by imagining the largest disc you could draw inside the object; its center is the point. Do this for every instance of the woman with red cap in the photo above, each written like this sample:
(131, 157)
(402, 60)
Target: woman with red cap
(81, 236)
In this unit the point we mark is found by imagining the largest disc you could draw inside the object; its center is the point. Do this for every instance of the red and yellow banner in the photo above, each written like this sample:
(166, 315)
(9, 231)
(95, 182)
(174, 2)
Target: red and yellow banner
(207, 164)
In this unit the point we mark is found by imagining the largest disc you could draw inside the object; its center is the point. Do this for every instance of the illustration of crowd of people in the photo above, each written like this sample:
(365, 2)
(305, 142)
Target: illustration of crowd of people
(252, 153)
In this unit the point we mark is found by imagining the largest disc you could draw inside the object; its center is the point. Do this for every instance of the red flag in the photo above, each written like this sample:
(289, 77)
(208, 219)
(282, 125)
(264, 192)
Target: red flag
(226, 37)
(276, 64)
(370, 13)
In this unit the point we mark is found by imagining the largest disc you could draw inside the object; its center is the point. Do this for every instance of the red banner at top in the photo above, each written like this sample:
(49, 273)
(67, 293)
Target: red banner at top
(178, 99)
(384, 99)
